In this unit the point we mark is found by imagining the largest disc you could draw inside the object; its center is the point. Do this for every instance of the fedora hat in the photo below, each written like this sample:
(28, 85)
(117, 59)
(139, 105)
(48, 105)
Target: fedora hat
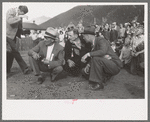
(51, 33)
(89, 30)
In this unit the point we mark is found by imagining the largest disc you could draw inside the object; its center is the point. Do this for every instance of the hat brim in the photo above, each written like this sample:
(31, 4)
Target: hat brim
(88, 30)
(50, 35)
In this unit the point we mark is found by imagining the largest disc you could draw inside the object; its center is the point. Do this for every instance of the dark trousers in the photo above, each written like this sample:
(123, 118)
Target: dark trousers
(10, 59)
(39, 66)
(14, 54)
(75, 71)
(101, 67)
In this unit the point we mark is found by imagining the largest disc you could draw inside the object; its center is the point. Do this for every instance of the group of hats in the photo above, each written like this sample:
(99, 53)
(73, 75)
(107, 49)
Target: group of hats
(87, 29)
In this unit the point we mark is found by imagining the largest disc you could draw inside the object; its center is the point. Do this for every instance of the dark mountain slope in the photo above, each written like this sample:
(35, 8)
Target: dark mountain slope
(118, 13)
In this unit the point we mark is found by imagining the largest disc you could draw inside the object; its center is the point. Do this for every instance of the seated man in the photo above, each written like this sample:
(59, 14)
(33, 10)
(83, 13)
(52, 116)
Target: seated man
(104, 62)
(47, 56)
(74, 50)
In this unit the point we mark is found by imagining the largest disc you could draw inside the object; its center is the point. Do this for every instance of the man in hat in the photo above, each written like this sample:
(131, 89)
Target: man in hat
(104, 62)
(47, 56)
(13, 31)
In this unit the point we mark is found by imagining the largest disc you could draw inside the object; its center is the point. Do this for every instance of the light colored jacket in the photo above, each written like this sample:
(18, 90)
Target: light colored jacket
(12, 23)
(41, 49)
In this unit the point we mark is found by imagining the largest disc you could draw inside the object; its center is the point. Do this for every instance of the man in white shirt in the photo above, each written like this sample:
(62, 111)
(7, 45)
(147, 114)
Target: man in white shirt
(47, 56)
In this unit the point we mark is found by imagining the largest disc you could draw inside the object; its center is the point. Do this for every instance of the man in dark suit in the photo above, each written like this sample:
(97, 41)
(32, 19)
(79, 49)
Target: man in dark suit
(47, 56)
(13, 31)
(113, 34)
(74, 50)
(104, 62)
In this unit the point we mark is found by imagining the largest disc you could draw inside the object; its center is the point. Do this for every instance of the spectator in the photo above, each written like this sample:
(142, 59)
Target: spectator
(122, 32)
(61, 38)
(34, 36)
(116, 27)
(113, 34)
(40, 35)
(125, 55)
(106, 32)
(138, 52)
(128, 30)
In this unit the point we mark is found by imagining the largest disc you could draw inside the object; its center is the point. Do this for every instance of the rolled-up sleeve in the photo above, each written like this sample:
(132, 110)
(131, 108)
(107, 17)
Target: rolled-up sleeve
(11, 18)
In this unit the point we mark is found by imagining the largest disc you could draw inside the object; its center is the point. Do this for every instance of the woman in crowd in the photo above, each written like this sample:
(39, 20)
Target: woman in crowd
(128, 30)
(138, 52)
(122, 32)
(125, 55)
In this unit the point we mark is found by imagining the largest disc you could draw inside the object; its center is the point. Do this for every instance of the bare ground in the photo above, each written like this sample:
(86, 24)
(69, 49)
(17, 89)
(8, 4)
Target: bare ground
(122, 86)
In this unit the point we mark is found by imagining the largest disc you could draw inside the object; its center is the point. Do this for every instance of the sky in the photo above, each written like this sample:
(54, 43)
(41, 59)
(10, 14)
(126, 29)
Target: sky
(38, 9)
(49, 9)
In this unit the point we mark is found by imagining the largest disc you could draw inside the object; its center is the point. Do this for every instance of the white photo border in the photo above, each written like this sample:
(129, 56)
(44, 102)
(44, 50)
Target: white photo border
(101, 109)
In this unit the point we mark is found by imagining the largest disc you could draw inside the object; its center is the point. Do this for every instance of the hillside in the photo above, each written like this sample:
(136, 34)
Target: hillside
(39, 20)
(118, 13)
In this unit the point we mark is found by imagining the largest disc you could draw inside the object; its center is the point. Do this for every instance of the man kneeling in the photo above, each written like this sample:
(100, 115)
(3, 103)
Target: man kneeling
(47, 56)
(104, 62)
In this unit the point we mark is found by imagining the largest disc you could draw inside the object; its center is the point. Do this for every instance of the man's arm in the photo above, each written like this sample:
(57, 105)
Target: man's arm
(11, 17)
(36, 49)
(103, 47)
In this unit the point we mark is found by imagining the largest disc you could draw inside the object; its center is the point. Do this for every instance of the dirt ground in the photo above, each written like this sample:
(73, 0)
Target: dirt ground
(121, 86)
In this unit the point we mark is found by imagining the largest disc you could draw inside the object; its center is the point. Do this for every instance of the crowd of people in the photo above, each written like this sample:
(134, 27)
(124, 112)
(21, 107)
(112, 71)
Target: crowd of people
(98, 52)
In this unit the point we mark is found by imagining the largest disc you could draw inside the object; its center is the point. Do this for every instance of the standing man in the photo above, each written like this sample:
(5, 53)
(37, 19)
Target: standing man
(13, 27)
(113, 34)
(106, 32)
(47, 56)
(104, 62)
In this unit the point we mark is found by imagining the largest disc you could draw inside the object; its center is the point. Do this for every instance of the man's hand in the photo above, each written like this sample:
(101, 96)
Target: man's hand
(85, 57)
(36, 56)
(87, 69)
(45, 61)
(23, 16)
(136, 54)
(71, 63)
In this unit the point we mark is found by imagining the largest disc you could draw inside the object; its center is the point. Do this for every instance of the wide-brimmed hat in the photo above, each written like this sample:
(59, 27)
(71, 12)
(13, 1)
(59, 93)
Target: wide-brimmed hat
(51, 33)
(89, 30)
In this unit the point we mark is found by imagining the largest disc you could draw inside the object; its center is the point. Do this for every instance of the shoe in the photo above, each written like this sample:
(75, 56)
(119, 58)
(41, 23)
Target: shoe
(53, 78)
(27, 71)
(40, 80)
(59, 76)
(86, 76)
(96, 86)
(106, 78)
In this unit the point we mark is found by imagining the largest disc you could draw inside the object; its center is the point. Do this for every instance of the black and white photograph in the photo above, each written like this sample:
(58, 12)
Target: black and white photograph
(86, 59)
